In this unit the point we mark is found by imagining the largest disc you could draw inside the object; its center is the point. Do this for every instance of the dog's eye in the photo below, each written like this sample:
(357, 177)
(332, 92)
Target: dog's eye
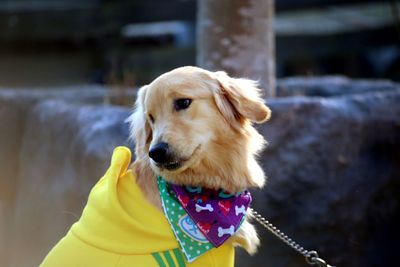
(151, 118)
(182, 103)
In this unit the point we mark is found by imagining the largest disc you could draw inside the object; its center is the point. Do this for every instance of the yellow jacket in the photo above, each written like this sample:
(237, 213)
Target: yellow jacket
(118, 227)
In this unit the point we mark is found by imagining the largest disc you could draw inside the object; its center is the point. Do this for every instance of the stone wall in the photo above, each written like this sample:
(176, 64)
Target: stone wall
(19, 130)
(334, 179)
(333, 166)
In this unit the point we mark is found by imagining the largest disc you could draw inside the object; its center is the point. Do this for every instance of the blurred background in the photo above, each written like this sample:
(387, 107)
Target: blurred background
(45, 43)
(69, 71)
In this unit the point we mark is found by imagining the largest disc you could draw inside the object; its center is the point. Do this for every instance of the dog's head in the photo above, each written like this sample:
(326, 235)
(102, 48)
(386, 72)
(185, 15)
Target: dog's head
(194, 127)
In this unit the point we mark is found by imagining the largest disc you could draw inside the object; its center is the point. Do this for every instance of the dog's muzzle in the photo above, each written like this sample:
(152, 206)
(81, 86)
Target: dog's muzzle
(162, 155)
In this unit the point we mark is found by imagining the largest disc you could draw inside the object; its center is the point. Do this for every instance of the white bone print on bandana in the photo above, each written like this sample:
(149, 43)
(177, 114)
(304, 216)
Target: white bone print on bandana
(240, 210)
(200, 208)
(226, 231)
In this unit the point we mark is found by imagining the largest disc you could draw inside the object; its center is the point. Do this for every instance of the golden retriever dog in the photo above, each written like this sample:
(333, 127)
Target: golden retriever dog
(194, 127)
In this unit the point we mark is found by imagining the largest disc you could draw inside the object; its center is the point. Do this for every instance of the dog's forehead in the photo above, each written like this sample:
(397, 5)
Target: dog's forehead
(179, 84)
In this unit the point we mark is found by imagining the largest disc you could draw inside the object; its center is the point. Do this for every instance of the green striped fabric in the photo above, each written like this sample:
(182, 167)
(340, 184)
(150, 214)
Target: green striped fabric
(168, 259)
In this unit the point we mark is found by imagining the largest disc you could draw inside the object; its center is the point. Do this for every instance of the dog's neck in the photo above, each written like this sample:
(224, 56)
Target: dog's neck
(146, 180)
(215, 179)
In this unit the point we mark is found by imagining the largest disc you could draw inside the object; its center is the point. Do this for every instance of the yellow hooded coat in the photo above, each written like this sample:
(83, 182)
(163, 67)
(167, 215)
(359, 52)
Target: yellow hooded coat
(118, 227)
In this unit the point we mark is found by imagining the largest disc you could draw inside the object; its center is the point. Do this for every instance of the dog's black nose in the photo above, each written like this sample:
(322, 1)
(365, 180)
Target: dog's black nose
(159, 153)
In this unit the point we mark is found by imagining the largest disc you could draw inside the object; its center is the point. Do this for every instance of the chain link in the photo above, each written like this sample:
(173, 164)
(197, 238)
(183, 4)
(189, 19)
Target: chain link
(312, 257)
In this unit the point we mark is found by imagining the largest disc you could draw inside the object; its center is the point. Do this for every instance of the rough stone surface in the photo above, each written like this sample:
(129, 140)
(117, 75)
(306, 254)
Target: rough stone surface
(95, 94)
(334, 180)
(12, 120)
(65, 150)
(15, 106)
(331, 86)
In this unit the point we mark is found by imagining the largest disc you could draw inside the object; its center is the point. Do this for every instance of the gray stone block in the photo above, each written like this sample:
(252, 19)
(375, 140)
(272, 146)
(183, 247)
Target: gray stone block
(331, 86)
(65, 149)
(15, 106)
(334, 174)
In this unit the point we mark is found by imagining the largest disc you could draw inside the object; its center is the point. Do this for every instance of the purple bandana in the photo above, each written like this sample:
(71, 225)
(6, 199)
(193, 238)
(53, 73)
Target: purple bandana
(217, 214)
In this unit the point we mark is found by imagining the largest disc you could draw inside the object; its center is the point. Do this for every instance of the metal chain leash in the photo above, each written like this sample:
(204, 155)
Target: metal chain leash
(311, 257)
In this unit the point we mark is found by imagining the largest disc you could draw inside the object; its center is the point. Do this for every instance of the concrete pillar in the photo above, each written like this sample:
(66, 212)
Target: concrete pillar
(237, 36)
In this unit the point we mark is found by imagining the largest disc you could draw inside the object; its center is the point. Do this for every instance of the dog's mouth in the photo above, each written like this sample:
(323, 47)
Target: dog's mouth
(171, 165)
(177, 164)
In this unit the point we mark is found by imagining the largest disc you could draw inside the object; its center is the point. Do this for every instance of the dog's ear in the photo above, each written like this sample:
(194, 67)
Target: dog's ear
(239, 99)
(140, 130)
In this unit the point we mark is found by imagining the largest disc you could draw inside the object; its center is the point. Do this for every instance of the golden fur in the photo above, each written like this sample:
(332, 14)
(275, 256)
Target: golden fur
(214, 137)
